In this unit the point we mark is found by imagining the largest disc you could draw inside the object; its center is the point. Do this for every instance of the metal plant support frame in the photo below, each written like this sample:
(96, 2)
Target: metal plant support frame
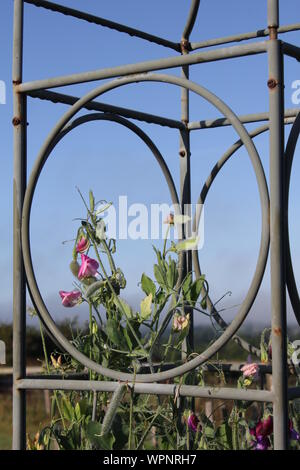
(274, 217)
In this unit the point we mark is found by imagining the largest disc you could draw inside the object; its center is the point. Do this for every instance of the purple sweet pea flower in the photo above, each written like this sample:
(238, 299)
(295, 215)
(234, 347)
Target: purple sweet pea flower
(294, 435)
(262, 443)
(193, 423)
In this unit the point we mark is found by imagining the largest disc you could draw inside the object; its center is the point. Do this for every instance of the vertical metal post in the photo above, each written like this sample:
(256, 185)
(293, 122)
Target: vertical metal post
(19, 285)
(185, 203)
(185, 178)
(277, 247)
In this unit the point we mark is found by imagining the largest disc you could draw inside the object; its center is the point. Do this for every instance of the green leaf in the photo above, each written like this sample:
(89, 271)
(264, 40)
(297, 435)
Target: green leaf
(77, 411)
(158, 255)
(196, 289)
(128, 340)
(209, 432)
(186, 286)
(148, 285)
(67, 408)
(103, 208)
(160, 276)
(84, 407)
(94, 430)
(64, 442)
(115, 333)
(124, 308)
(146, 307)
(92, 201)
(138, 353)
(224, 435)
(264, 346)
(172, 273)
(120, 429)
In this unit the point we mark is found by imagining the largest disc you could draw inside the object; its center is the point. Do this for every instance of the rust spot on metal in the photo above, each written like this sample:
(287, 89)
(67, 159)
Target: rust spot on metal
(182, 153)
(273, 34)
(277, 331)
(272, 83)
(16, 121)
(16, 82)
(184, 46)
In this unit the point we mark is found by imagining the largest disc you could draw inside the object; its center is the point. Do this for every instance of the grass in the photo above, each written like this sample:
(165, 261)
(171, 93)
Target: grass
(36, 417)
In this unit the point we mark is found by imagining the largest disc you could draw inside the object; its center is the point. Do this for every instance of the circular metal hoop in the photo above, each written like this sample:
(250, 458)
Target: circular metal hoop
(290, 278)
(257, 279)
(43, 155)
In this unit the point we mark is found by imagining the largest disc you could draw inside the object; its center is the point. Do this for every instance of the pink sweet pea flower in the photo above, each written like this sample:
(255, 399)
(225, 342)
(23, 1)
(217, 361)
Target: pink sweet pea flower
(82, 245)
(88, 267)
(250, 370)
(70, 299)
(180, 322)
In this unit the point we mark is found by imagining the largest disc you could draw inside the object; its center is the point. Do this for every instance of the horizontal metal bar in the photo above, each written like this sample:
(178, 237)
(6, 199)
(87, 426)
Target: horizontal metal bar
(104, 22)
(293, 392)
(96, 106)
(245, 118)
(149, 388)
(291, 50)
(242, 37)
(143, 67)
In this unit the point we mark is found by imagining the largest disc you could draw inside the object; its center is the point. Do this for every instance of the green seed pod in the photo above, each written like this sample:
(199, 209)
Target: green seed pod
(93, 288)
(94, 328)
(74, 266)
(113, 408)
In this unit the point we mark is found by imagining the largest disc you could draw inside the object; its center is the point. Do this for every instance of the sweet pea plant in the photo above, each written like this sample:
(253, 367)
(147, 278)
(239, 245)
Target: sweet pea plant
(123, 339)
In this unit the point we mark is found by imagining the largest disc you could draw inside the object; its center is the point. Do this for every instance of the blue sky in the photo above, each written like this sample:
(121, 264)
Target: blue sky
(112, 162)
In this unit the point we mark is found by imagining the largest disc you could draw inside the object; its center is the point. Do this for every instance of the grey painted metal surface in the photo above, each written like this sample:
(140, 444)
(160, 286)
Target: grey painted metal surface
(281, 263)
(261, 33)
(245, 119)
(144, 67)
(145, 388)
(277, 242)
(19, 185)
